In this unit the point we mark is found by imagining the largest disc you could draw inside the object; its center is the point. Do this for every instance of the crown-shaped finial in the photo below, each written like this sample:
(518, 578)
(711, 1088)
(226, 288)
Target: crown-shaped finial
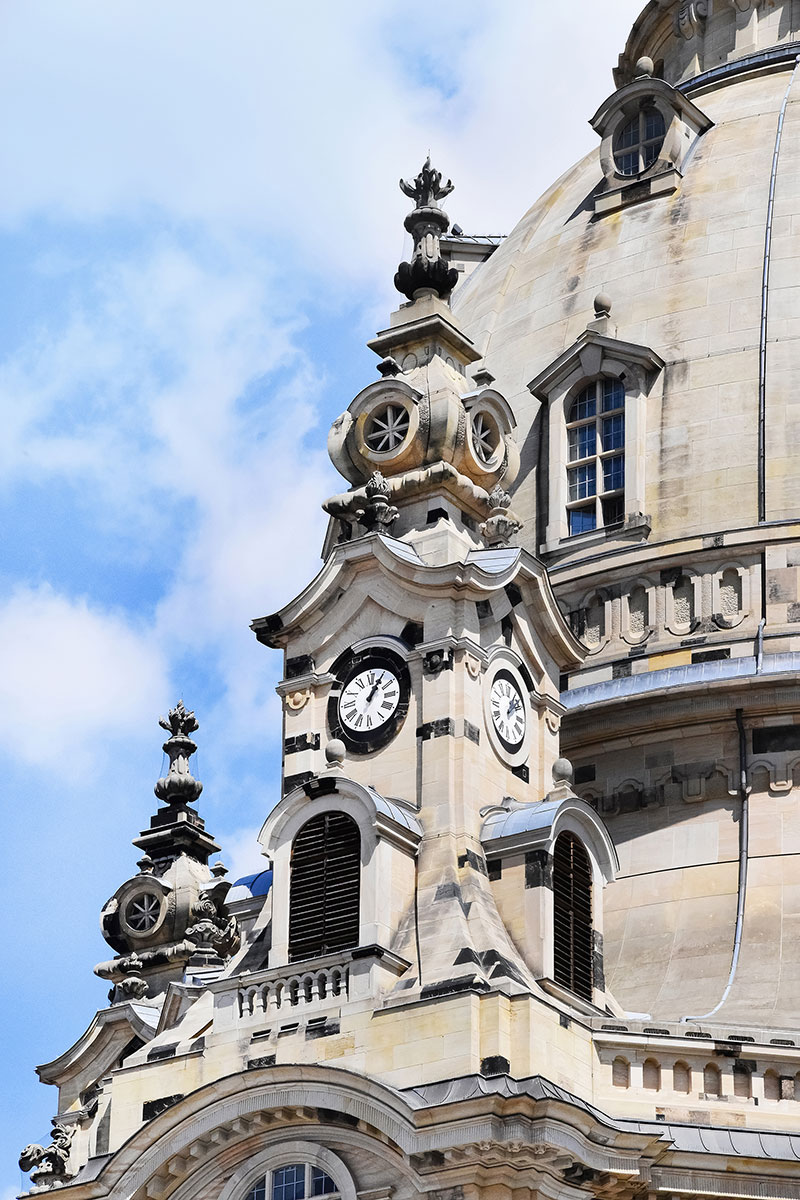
(427, 273)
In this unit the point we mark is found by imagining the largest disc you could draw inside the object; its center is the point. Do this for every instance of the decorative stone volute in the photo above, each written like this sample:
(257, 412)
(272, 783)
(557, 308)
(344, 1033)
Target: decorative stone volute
(428, 272)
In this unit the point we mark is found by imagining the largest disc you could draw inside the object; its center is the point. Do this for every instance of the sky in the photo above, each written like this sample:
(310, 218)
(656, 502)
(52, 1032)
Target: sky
(199, 226)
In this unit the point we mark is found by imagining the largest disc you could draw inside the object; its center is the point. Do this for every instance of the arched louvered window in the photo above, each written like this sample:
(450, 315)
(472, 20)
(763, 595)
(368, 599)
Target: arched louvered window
(324, 886)
(572, 916)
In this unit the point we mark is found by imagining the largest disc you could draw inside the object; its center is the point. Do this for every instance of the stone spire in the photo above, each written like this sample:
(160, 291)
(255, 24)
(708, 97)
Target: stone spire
(427, 273)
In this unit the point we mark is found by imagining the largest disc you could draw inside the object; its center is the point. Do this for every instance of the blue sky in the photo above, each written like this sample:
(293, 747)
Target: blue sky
(199, 225)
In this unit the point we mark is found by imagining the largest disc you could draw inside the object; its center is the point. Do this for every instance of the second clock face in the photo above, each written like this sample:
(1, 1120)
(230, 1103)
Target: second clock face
(369, 699)
(507, 708)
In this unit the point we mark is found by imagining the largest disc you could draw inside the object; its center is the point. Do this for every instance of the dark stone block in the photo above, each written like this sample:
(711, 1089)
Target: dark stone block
(793, 612)
(154, 1108)
(162, 1052)
(495, 1064)
(437, 514)
(436, 661)
(701, 656)
(444, 727)
(494, 868)
(514, 594)
(538, 869)
(472, 733)
(266, 1060)
(522, 773)
(452, 987)
(776, 738)
(585, 774)
(621, 670)
(290, 782)
(303, 741)
(471, 859)
(413, 633)
(301, 664)
(324, 1029)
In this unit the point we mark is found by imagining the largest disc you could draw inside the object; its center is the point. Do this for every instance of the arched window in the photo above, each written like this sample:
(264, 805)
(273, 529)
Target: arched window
(621, 1073)
(324, 888)
(572, 916)
(681, 1078)
(651, 1075)
(596, 456)
(712, 1081)
(639, 141)
(298, 1181)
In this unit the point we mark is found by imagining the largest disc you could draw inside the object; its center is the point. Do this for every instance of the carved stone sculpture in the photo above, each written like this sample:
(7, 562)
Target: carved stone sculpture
(690, 17)
(378, 514)
(502, 524)
(179, 786)
(48, 1164)
(427, 271)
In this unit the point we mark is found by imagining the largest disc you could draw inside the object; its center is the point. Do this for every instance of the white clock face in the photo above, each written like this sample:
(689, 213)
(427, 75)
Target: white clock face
(508, 710)
(369, 699)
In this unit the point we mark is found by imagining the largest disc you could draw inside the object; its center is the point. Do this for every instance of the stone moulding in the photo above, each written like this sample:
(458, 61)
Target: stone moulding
(243, 1104)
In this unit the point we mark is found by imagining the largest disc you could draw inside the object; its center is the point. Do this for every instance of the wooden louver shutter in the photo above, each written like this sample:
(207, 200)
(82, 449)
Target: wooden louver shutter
(572, 916)
(324, 887)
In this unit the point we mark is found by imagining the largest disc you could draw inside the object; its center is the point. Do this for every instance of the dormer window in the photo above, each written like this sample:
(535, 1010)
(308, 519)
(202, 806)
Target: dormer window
(648, 129)
(596, 456)
(638, 144)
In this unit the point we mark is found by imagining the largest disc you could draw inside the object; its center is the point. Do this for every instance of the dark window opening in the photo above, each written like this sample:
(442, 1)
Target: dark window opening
(324, 888)
(572, 916)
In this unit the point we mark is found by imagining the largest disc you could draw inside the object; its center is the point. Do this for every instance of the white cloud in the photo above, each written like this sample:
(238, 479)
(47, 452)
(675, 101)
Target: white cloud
(296, 120)
(75, 679)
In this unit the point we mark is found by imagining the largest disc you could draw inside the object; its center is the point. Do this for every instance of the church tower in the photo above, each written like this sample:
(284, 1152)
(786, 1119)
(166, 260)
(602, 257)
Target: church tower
(469, 969)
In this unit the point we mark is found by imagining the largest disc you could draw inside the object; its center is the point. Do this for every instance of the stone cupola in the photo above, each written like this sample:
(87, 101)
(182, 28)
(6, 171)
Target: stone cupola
(426, 443)
(169, 922)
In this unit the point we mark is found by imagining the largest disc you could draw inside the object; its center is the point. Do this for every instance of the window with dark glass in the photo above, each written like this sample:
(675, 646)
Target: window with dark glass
(572, 916)
(638, 143)
(298, 1181)
(596, 456)
(324, 890)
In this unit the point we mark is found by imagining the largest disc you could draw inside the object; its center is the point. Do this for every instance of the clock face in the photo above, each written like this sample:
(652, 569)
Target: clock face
(372, 704)
(369, 699)
(507, 708)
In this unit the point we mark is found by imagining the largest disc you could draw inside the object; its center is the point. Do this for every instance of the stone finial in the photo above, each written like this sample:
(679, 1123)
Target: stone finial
(389, 367)
(48, 1164)
(179, 786)
(562, 771)
(644, 67)
(146, 865)
(378, 514)
(335, 753)
(602, 303)
(427, 272)
(502, 524)
(482, 377)
(427, 189)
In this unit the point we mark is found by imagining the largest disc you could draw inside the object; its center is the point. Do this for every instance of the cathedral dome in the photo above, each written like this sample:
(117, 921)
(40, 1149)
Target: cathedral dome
(642, 320)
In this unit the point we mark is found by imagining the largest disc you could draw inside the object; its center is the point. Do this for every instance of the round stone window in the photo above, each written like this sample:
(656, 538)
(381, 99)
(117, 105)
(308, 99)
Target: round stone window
(485, 437)
(143, 911)
(387, 428)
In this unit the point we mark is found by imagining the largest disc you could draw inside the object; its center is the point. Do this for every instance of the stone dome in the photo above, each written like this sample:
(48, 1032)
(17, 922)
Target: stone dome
(685, 585)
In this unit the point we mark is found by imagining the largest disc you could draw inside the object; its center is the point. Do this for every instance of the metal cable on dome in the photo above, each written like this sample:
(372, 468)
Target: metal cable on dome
(762, 348)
